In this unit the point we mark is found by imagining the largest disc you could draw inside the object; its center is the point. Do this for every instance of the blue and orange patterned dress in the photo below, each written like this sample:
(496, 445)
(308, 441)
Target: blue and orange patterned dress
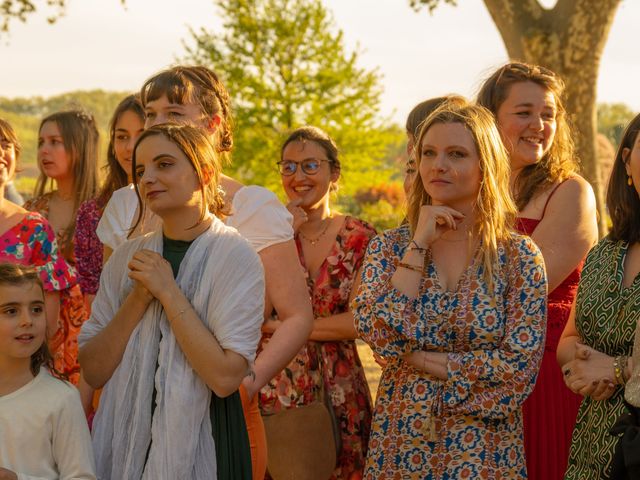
(470, 425)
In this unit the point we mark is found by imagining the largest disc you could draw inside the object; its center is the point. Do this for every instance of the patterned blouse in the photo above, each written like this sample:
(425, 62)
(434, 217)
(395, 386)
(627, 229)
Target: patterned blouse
(87, 246)
(470, 425)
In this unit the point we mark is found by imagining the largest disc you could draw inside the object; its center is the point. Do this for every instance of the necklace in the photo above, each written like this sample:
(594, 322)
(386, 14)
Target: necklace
(313, 241)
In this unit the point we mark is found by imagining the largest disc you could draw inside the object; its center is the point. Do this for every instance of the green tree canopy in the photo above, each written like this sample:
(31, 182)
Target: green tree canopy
(612, 118)
(285, 64)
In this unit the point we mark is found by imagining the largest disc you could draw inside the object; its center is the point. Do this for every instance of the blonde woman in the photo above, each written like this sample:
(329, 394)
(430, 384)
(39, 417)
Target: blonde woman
(454, 301)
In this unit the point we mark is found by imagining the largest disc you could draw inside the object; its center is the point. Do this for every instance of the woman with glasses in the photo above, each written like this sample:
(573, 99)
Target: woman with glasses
(331, 247)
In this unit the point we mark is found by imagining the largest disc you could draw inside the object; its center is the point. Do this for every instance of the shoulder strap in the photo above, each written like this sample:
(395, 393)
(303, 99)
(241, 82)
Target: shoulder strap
(544, 210)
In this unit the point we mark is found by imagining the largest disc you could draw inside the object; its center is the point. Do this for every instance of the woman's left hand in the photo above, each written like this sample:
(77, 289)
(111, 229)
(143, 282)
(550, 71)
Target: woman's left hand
(590, 373)
(152, 271)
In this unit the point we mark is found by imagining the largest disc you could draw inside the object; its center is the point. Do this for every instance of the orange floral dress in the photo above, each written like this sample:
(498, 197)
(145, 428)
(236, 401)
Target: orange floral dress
(64, 344)
(298, 383)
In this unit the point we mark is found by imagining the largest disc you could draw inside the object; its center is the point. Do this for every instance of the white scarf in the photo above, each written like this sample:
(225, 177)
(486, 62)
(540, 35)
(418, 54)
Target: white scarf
(222, 276)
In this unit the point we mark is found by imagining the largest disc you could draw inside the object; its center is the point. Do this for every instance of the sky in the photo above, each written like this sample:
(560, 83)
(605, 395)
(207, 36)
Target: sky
(101, 44)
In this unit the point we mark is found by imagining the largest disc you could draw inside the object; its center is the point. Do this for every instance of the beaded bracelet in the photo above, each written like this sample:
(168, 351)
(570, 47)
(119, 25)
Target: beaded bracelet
(618, 368)
(408, 266)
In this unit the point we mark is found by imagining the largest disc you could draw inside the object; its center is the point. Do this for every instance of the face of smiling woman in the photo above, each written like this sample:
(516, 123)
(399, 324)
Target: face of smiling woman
(166, 179)
(527, 123)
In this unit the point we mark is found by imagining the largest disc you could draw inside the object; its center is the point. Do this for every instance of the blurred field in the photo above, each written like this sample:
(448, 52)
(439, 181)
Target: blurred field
(371, 368)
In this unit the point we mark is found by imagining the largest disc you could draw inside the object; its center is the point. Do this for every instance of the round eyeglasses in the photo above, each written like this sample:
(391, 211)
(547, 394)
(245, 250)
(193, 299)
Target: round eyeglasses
(310, 166)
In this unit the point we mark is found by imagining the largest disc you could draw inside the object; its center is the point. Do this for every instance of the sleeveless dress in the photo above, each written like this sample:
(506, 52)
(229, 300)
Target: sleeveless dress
(606, 317)
(550, 411)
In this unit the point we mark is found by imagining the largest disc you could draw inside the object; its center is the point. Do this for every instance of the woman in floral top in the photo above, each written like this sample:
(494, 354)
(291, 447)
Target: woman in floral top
(331, 247)
(67, 150)
(26, 238)
(125, 126)
(455, 302)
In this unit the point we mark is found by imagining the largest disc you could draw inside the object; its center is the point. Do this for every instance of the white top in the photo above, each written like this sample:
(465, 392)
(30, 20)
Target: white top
(222, 277)
(255, 212)
(44, 433)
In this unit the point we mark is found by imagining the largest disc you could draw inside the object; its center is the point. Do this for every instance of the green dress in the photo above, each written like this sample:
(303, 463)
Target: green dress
(606, 317)
(233, 452)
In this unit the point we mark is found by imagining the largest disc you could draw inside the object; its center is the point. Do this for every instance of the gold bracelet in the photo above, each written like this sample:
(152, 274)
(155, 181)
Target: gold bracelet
(413, 246)
(408, 266)
(618, 369)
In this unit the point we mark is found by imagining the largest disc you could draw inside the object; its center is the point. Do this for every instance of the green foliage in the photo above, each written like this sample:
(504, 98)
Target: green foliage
(612, 119)
(383, 204)
(430, 4)
(25, 115)
(286, 66)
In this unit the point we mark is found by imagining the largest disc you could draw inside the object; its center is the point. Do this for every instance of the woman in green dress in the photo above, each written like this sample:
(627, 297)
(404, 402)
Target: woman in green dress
(598, 338)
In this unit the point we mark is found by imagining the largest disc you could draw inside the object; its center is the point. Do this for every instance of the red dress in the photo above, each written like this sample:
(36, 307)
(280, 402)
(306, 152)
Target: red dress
(550, 411)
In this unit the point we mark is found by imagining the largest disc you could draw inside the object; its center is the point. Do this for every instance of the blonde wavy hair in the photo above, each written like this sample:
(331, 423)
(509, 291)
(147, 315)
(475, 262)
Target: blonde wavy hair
(494, 207)
(559, 163)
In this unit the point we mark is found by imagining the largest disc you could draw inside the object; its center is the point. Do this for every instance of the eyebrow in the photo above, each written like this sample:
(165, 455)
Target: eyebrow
(529, 104)
(303, 160)
(17, 304)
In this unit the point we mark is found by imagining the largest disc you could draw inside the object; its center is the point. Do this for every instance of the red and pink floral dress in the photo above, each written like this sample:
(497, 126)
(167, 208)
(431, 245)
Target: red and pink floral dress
(344, 377)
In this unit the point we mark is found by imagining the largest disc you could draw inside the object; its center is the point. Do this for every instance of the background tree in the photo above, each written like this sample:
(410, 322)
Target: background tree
(612, 118)
(569, 39)
(285, 65)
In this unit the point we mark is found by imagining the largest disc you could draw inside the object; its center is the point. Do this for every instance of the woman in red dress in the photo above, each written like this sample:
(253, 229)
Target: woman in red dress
(557, 209)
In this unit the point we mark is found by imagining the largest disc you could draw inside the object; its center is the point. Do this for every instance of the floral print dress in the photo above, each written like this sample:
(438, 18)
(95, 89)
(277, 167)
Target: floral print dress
(468, 426)
(344, 376)
(64, 345)
(88, 248)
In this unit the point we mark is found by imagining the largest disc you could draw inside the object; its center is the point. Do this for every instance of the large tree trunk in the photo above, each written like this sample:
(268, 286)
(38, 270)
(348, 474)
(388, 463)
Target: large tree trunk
(568, 39)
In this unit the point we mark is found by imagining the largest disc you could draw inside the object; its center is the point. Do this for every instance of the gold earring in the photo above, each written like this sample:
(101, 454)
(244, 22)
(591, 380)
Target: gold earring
(629, 180)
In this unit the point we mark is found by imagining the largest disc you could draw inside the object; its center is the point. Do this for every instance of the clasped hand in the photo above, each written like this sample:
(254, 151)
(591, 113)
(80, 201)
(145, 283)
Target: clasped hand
(590, 373)
(151, 274)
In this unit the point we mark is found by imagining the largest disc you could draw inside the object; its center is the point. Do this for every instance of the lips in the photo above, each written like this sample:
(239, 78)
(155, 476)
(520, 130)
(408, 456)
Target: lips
(154, 194)
(25, 338)
(302, 188)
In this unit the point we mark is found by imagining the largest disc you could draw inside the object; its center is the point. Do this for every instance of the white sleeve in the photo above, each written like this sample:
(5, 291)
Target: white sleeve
(115, 222)
(72, 442)
(260, 217)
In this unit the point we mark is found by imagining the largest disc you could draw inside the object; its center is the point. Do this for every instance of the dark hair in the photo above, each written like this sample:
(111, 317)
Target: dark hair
(559, 163)
(80, 138)
(8, 133)
(21, 275)
(421, 111)
(116, 176)
(623, 202)
(310, 133)
(201, 153)
(194, 84)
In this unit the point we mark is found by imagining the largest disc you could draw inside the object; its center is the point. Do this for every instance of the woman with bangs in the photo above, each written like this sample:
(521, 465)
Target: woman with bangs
(454, 301)
(194, 95)
(556, 207)
(175, 325)
(67, 160)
